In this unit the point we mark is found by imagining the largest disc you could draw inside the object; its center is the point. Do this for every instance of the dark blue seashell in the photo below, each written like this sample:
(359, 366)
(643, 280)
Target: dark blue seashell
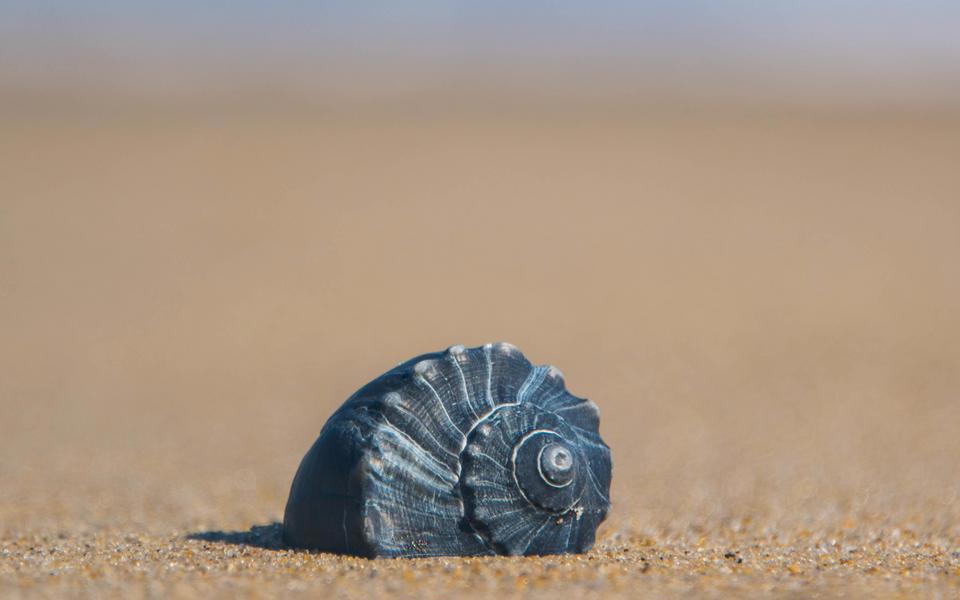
(464, 452)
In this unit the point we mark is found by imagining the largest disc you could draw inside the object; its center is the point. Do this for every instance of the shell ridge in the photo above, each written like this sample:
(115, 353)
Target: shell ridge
(537, 533)
(580, 405)
(496, 484)
(438, 468)
(512, 511)
(492, 461)
(573, 424)
(422, 380)
(463, 384)
(513, 535)
(512, 503)
(510, 371)
(596, 484)
(578, 412)
(486, 354)
(489, 415)
(532, 383)
(417, 417)
(417, 478)
(447, 378)
(573, 525)
(414, 509)
(548, 401)
(503, 440)
(474, 373)
(499, 499)
(424, 427)
(431, 515)
(587, 438)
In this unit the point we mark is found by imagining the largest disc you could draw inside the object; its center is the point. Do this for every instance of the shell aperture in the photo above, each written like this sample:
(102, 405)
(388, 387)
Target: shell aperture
(463, 452)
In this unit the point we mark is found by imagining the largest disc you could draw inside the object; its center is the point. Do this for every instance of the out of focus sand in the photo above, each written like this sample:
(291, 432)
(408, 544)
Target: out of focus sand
(766, 307)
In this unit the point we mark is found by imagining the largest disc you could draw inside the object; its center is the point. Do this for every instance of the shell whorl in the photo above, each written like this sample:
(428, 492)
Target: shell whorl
(467, 451)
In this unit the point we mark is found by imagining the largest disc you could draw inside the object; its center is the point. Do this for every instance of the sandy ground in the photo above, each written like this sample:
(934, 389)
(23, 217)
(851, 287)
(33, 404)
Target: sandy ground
(764, 306)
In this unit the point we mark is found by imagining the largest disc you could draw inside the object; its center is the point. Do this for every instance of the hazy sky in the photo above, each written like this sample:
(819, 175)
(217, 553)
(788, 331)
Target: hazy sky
(904, 48)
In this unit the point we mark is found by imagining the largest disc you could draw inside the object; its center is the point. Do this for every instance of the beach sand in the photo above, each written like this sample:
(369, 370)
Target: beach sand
(763, 305)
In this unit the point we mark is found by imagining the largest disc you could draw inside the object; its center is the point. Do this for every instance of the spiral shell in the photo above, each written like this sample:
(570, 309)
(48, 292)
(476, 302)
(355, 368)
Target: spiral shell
(465, 452)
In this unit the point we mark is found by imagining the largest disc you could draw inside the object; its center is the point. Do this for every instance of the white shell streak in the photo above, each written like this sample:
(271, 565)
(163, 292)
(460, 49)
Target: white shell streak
(440, 456)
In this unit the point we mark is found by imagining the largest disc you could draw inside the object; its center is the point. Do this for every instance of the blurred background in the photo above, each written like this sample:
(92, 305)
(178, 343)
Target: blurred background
(735, 226)
(846, 52)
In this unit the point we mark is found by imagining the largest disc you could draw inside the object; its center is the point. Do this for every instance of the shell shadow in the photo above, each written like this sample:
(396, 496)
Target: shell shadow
(269, 537)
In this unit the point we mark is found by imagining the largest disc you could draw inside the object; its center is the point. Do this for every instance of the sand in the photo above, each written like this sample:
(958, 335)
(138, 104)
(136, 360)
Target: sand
(764, 306)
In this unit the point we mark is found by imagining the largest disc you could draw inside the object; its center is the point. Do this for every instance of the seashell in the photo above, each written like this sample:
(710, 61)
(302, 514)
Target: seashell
(465, 452)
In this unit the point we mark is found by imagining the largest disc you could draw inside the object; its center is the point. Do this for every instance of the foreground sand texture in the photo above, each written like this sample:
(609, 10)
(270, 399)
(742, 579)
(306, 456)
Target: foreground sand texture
(765, 307)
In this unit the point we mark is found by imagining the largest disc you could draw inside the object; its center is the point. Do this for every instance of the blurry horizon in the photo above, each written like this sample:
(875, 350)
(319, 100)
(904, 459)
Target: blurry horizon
(820, 53)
